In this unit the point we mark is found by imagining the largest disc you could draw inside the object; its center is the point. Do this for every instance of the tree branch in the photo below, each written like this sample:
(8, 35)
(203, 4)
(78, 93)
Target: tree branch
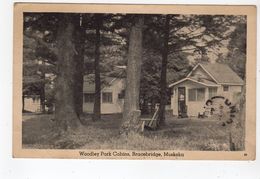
(43, 43)
(182, 50)
(191, 31)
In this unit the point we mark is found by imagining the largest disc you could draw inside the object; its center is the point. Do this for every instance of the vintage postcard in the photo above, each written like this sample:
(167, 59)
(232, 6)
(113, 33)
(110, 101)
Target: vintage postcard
(161, 82)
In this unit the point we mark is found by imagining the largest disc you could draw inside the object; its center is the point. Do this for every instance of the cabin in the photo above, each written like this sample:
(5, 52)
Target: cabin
(112, 95)
(31, 103)
(206, 80)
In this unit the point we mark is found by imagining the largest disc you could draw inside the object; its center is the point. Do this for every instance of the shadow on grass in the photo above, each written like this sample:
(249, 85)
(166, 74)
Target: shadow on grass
(178, 134)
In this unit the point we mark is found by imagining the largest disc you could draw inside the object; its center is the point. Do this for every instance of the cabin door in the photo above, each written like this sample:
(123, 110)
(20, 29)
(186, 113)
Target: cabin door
(182, 108)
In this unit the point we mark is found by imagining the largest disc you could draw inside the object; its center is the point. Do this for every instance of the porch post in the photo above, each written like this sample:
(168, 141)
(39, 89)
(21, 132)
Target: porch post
(207, 93)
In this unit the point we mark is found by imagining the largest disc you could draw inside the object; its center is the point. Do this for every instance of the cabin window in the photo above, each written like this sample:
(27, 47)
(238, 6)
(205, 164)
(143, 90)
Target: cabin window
(212, 92)
(192, 94)
(225, 88)
(197, 94)
(201, 94)
(107, 97)
(121, 95)
(89, 97)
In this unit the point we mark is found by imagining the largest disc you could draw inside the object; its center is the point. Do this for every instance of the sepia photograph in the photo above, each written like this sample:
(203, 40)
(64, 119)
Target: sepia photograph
(124, 84)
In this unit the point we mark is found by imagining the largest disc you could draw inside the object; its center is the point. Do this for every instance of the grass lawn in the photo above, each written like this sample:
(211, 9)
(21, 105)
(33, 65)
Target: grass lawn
(178, 134)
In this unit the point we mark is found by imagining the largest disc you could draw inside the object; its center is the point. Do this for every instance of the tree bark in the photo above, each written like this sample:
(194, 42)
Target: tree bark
(78, 87)
(131, 113)
(42, 99)
(42, 94)
(163, 83)
(237, 130)
(97, 100)
(23, 103)
(65, 113)
(79, 60)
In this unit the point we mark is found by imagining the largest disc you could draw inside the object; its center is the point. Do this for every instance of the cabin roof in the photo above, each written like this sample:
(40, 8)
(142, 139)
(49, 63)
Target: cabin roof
(220, 73)
(202, 82)
(89, 85)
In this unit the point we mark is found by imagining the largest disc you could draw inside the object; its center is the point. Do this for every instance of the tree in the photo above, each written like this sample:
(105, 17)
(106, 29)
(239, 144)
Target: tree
(34, 72)
(236, 56)
(103, 33)
(39, 60)
(80, 45)
(164, 35)
(163, 82)
(131, 111)
(61, 42)
(150, 75)
(97, 100)
(65, 107)
(236, 59)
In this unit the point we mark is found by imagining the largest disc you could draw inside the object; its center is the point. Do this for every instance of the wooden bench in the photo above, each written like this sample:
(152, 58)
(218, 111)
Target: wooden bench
(149, 121)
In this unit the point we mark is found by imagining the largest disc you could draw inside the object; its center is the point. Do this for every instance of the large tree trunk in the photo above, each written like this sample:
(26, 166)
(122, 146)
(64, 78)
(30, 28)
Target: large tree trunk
(23, 98)
(163, 84)
(131, 113)
(145, 106)
(237, 129)
(42, 99)
(65, 113)
(42, 94)
(97, 100)
(78, 87)
(79, 60)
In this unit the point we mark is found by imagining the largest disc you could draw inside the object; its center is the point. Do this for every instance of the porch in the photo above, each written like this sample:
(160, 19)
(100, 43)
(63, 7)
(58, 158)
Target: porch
(189, 97)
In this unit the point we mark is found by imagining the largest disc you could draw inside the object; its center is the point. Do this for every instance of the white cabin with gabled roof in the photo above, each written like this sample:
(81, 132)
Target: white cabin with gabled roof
(190, 94)
(112, 94)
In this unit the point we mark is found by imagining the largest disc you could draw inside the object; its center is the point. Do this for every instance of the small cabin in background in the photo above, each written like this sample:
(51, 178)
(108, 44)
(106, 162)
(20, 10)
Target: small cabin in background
(31, 103)
(190, 94)
(112, 95)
